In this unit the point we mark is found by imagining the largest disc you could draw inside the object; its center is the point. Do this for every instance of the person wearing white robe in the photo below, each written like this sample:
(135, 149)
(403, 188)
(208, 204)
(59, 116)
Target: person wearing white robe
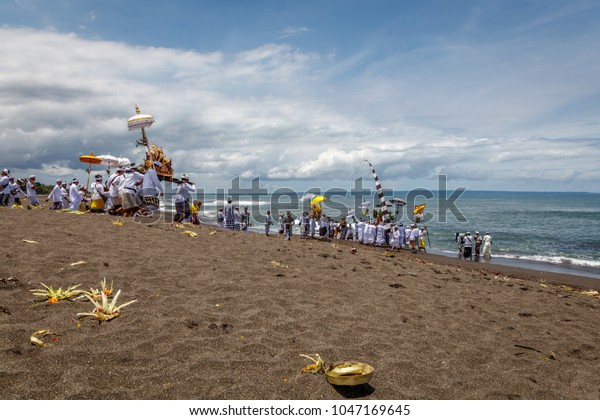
(323, 226)
(83, 197)
(369, 234)
(221, 218)
(380, 239)
(131, 201)
(151, 186)
(407, 231)
(237, 219)
(74, 195)
(487, 245)
(414, 238)
(99, 195)
(56, 196)
(401, 233)
(228, 212)
(313, 225)
(395, 242)
(31, 189)
(182, 198)
(114, 184)
(15, 190)
(349, 232)
(268, 222)
(4, 188)
(422, 235)
(66, 202)
(360, 230)
(304, 221)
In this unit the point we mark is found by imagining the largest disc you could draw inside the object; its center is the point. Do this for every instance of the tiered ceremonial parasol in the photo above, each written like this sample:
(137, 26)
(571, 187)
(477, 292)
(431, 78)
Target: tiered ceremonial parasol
(153, 153)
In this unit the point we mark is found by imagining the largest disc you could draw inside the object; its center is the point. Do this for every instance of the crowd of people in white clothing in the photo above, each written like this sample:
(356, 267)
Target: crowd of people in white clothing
(134, 190)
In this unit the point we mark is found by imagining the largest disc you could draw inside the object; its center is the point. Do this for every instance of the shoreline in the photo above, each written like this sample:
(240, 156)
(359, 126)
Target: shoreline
(572, 275)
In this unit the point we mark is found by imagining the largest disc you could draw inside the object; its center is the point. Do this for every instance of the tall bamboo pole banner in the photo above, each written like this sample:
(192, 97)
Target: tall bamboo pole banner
(385, 214)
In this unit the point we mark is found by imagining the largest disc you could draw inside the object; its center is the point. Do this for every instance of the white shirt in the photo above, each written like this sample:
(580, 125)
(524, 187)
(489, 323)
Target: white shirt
(130, 180)
(151, 183)
(65, 197)
(4, 185)
(183, 192)
(55, 195)
(98, 191)
(414, 234)
(74, 193)
(380, 235)
(31, 190)
(114, 184)
(468, 241)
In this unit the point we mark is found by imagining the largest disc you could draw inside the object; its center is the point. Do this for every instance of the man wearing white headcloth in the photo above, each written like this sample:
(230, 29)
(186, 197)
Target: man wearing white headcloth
(66, 202)
(131, 201)
(4, 188)
(228, 213)
(182, 198)
(74, 195)
(56, 196)
(114, 185)
(99, 195)
(151, 187)
(360, 230)
(31, 189)
(15, 190)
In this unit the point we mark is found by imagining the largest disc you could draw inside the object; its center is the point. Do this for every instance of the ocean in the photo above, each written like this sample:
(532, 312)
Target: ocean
(538, 230)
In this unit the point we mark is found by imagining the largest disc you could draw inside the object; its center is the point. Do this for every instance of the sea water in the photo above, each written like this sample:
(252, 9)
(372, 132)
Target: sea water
(539, 230)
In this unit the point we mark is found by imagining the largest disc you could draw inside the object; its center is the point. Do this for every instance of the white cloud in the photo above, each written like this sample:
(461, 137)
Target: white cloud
(294, 31)
(283, 114)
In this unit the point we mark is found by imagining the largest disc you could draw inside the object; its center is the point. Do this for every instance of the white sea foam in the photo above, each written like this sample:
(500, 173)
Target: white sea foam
(543, 259)
(554, 260)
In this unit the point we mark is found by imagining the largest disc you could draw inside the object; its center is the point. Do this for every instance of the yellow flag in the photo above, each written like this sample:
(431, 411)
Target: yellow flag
(419, 208)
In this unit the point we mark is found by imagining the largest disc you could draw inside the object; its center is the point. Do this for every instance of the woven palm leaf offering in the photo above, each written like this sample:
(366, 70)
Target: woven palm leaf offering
(53, 295)
(105, 310)
(96, 294)
(317, 366)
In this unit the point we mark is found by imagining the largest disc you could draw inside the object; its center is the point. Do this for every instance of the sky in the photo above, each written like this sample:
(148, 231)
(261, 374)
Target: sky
(494, 94)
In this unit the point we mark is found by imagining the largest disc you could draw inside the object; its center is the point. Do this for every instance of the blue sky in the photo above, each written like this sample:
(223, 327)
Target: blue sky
(497, 95)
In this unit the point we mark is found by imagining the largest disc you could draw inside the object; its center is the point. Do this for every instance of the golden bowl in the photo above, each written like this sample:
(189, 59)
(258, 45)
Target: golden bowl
(365, 375)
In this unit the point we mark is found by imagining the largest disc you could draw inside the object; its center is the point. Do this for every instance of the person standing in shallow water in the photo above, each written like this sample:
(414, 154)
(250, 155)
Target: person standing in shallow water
(478, 241)
(228, 213)
(221, 218)
(268, 222)
(468, 247)
(289, 224)
(487, 246)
